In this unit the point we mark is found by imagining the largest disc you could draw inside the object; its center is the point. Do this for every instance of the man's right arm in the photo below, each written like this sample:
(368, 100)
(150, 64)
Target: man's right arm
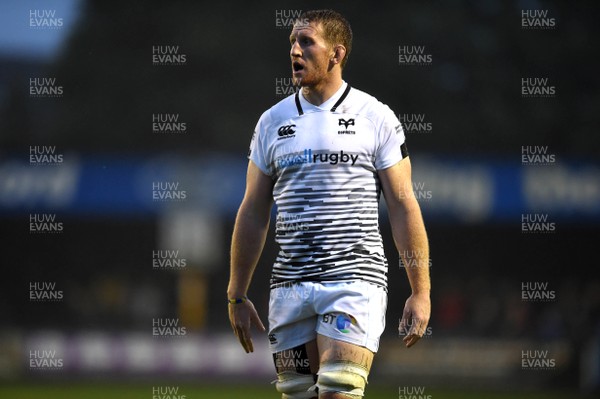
(249, 235)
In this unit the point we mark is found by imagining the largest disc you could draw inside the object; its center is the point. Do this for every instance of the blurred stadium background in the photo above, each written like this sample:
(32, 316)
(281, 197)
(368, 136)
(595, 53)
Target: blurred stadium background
(117, 125)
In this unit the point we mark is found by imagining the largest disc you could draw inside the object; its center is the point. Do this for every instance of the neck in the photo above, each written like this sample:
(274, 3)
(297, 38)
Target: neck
(322, 91)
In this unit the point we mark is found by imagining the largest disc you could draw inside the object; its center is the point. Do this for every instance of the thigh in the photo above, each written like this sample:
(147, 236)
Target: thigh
(332, 350)
(303, 359)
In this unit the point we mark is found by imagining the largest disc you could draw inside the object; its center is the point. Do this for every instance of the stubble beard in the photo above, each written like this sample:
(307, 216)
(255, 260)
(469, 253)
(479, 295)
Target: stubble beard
(310, 79)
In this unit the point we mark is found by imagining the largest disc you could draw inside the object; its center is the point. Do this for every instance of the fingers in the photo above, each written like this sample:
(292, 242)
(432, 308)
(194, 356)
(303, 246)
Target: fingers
(412, 336)
(257, 322)
(412, 329)
(243, 335)
(242, 331)
(241, 317)
(410, 340)
(415, 318)
(246, 339)
(403, 326)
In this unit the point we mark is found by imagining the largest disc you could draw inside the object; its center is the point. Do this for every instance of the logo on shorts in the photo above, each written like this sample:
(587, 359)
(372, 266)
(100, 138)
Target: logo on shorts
(272, 339)
(343, 322)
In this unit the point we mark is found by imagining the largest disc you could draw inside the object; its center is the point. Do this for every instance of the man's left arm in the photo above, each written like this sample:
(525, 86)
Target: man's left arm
(410, 238)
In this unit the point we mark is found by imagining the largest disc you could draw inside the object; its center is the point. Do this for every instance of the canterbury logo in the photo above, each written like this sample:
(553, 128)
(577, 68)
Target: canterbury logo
(346, 123)
(286, 130)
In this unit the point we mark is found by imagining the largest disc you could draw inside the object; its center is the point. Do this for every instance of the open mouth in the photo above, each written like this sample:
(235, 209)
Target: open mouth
(296, 66)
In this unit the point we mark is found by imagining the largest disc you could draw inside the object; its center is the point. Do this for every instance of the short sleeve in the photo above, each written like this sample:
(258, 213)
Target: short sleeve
(391, 146)
(257, 152)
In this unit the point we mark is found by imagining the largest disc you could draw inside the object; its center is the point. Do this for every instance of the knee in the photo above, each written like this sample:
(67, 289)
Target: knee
(346, 378)
(293, 385)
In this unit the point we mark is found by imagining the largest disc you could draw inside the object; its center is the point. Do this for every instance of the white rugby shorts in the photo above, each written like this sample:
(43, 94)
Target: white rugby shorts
(352, 312)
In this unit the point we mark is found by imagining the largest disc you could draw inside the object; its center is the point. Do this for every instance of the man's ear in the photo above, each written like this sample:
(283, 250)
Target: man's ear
(339, 52)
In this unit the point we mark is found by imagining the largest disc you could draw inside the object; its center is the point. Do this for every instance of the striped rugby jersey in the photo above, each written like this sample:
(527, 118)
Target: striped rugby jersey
(324, 161)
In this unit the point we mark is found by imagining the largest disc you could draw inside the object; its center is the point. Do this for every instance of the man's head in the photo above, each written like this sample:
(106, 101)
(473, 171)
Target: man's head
(321, 40)
(336, 29)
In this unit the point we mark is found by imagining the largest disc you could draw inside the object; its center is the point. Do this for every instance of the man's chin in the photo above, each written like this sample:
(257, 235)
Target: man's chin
(303, 82)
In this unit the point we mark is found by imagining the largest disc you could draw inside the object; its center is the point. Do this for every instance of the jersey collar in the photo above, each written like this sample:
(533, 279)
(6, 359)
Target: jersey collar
(330, 105)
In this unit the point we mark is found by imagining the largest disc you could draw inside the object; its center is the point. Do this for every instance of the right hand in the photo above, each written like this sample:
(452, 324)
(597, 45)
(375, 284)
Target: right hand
(415, 318)
(241, 317)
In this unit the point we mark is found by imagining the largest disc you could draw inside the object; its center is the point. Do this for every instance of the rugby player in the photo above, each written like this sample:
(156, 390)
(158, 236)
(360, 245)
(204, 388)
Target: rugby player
(323, 156)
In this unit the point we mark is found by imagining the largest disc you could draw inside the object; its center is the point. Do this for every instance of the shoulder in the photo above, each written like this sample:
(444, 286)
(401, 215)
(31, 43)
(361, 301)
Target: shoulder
(283, 110)
(362, 103)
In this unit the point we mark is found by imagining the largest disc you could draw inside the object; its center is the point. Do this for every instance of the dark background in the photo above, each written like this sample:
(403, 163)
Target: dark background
(235, 51)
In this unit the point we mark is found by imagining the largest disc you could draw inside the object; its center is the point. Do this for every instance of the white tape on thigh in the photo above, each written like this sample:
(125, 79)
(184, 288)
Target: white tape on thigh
(344, 377)
(294, 385)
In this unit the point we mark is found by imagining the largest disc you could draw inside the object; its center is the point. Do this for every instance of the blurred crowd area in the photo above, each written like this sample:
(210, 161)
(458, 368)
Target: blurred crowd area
(234, 55)
(116, 287)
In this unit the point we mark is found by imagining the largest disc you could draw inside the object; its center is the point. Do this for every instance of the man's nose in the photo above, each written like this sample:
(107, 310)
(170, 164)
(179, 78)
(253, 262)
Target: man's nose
(295, 50)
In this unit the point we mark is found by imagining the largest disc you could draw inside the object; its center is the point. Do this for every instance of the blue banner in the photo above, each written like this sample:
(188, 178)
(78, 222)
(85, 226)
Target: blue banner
(467, 191)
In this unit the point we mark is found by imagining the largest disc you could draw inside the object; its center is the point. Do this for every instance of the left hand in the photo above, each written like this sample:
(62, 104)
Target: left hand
(415, 318)
(241, 317)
